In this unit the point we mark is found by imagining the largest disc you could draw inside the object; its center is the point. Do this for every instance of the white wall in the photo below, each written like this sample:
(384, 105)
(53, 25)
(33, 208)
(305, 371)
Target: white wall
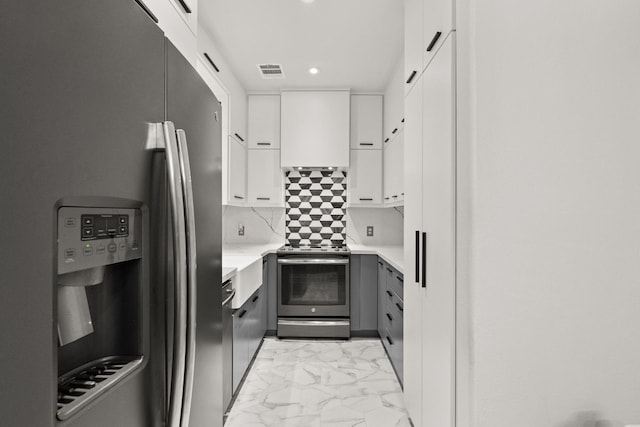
(550, 232)
(387, 226)
(261, 225)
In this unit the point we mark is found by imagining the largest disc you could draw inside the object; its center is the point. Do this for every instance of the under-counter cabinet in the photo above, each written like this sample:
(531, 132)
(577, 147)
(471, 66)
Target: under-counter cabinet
(365, 178)
(390, 314)
(249, 327)
(237, 173)
(265, 179)
(363, 295)
(264, 121)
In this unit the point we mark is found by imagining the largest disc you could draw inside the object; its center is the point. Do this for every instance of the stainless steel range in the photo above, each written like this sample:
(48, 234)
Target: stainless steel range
(313, 292)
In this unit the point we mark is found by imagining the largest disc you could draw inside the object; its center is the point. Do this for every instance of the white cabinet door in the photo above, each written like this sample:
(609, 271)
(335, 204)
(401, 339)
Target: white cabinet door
(238, 115)
(176, 25)
(365, 177)
(188, 12)
(237, 173)
(412, 240)
(265, 178)
(429, 344)
(315, 128)
(438, 21)
(394, 170)
(438, 222)
(264, 121)
(366, 121)
(413, 11)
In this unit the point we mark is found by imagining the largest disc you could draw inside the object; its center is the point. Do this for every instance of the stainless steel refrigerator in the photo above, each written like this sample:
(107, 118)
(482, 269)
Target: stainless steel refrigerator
(110, 175)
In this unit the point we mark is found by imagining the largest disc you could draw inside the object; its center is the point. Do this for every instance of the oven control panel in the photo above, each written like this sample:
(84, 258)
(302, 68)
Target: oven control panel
(93, 237)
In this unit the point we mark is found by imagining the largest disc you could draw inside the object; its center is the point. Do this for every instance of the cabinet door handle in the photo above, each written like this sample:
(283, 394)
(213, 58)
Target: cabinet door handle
(413, 74)
(238, 197)
(380, 262)
(434, 41)
(395, 130)
(213, 64)
(368, 144)
(402, 121)
(389, 270)
(400, 279)
(399, 307)
(239, 137)
(389, 317)
(263, 198)
(264, 143)
(424, 260)
(417, 256)
(386, 140)
(389, 293)
(185, 6)
(390, 340)
(386, 198)
(242, 313)
(366, 199)
(395, 196)
(147, 11)
(258, 296)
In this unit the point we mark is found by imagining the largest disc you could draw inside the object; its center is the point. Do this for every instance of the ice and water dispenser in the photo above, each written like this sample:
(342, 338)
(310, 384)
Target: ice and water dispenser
(99, 301)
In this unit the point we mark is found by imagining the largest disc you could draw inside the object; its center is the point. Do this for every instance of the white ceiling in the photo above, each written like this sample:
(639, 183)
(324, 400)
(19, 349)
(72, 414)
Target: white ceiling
(354, 43)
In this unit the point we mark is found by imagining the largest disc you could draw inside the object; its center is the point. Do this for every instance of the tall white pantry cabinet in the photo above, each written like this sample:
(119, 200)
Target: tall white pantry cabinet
(429, 229)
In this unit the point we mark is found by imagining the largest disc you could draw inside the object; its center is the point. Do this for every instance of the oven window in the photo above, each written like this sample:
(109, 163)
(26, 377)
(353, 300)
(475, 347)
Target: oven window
(314, 284)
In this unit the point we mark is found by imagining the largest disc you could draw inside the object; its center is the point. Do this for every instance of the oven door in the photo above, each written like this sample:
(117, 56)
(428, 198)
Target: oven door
(313, 287)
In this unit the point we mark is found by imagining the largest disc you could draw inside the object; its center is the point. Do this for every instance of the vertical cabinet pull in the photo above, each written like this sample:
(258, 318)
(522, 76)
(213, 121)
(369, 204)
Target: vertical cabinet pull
(424, 260)
(413, 74)
(434, 41)
(390, 340)
(417, 256)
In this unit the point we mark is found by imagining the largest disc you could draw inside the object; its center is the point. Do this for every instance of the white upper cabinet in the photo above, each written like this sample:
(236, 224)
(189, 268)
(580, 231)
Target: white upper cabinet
(238, 115)
(237, 173)
(264, 121)
(180, 27)
(265, 179)
(413, 10)
(437, 22)
(365, 178)
(393, 188)
(366, 122)
(315, 128)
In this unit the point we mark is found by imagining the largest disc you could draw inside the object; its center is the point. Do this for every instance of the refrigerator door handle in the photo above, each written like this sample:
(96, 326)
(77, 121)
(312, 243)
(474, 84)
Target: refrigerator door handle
(176, 202)
(191, 301)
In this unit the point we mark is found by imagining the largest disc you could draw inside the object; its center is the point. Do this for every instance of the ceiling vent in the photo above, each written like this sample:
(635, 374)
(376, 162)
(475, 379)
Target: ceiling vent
(271, 71)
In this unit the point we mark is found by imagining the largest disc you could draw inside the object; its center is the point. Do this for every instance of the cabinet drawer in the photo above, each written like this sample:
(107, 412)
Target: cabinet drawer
(396, 283)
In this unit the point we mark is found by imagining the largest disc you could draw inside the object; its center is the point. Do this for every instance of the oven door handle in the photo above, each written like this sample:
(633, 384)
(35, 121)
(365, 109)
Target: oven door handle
(312, 261)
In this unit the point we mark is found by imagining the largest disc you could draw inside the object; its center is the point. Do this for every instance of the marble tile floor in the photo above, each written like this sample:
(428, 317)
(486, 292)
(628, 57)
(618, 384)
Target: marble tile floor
(318, 384)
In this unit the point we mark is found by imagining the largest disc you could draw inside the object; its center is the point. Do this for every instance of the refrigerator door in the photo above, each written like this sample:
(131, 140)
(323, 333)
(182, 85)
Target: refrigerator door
(196, 111)
(80, 81)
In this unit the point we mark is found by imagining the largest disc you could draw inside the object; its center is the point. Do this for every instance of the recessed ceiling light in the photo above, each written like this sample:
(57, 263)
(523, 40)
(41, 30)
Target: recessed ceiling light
(313, 70)
(307, 1)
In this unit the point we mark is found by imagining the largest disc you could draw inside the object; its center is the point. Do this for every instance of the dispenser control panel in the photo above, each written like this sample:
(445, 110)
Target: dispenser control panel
(92, 237)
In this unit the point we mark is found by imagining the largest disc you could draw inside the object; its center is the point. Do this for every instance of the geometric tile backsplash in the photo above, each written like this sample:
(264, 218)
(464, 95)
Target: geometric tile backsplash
(315, 208)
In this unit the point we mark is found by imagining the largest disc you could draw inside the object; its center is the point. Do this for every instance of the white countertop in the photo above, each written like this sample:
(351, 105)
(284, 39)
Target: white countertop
(394, 255)
(228, 273)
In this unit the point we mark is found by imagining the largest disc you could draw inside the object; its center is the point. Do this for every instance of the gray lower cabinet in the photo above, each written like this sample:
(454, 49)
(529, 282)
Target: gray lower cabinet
(249, 327)
(390, 314)
(270, 279)
(363, 295)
